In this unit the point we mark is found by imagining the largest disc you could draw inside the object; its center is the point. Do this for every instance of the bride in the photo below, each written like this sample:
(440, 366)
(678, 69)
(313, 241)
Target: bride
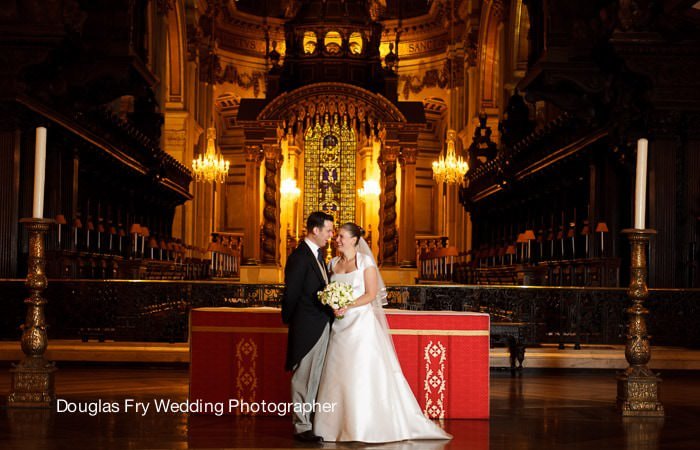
(362, 375)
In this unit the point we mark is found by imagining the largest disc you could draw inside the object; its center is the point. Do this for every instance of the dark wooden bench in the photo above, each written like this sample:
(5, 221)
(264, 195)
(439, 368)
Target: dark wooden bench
(498, 276)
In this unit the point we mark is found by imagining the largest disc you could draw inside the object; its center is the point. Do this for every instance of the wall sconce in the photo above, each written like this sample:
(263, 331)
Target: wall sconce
(289, 189)
(135, 230)
(369, 188)
(529, 236)
(521, 248)
(511, 251)
(60, 220)
(602, 228)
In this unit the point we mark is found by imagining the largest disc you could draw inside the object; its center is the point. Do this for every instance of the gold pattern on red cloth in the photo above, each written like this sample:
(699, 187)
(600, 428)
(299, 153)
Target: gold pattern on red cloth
(246, 362)
(435, 357)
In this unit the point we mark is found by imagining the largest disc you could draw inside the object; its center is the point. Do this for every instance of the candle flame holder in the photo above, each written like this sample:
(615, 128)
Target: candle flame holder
(33, 377)
(637, 386)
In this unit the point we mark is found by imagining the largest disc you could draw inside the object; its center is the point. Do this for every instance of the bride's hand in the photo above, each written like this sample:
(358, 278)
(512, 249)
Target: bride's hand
(340, 312)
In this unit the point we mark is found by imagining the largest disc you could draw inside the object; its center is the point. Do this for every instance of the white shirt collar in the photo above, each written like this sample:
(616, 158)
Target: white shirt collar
(314, 248)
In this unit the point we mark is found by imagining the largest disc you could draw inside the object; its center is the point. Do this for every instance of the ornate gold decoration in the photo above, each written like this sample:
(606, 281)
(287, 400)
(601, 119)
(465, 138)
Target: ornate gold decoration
(637, 386)
(388, 244)
(244, 80)
(33, 377)
(360, 105)
(435, 384)
(246, 368)
(431, 78)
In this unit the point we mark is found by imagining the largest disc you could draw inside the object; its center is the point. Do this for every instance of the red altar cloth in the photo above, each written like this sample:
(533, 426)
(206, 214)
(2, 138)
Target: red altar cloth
(238, 353)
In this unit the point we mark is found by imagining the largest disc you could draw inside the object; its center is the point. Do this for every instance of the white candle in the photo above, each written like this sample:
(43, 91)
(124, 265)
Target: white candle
(39, 173)
(640, 191)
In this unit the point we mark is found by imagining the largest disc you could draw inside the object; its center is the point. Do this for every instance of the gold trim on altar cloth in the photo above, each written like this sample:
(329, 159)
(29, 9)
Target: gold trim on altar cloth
(397, 331)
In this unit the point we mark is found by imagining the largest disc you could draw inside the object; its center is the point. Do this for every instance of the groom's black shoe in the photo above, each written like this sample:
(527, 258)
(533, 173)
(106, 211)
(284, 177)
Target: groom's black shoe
(308, 436)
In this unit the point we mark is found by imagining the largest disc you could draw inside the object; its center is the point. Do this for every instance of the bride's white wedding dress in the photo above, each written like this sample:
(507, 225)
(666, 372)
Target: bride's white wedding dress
(362, 376)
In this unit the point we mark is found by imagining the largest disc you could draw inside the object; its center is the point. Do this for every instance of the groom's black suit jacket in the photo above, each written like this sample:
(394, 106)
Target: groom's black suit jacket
(301, 310)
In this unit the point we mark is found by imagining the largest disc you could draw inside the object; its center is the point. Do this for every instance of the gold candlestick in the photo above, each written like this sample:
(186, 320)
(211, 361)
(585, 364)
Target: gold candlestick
(637, 386)
(33, 377)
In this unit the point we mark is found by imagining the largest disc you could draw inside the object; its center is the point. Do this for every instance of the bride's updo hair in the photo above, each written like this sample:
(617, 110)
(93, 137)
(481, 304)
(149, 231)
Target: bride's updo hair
(355, 231)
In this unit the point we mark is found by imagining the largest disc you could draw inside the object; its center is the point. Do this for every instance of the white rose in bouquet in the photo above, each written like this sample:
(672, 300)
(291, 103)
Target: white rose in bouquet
(337, 296)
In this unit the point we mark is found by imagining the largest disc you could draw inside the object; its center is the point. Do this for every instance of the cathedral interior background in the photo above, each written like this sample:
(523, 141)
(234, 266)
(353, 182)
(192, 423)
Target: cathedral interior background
(485, 146)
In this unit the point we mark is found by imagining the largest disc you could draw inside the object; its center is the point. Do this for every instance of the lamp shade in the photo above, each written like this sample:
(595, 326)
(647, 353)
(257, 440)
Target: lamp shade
(60, 219)
(529, 235)
(135, 228)
(152, 243)
(90, 225)
(521, 238)
(571, 233)
(145, 232)
(602, 227)
(586, 228)
(100, 228)
(510, 250)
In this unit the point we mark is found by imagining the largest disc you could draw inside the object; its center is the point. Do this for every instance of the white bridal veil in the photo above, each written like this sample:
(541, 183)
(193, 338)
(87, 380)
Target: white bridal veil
(380, 300)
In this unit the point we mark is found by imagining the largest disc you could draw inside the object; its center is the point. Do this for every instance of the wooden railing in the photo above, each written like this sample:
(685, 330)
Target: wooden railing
(441, 265)
(158, 310)
(226, 249)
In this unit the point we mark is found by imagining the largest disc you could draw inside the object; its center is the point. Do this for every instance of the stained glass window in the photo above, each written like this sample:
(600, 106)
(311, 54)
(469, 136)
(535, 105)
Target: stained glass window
(329, 166)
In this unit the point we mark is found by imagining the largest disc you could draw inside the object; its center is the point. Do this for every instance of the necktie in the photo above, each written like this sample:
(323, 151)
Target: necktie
(322, 261)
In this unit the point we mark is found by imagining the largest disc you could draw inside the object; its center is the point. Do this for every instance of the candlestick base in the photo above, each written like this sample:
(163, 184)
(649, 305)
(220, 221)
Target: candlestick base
(637, 393)
(33, 377)
(32, 384)
(637, 386)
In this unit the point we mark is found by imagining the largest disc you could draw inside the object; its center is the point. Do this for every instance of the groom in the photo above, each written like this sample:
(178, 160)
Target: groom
(309, 320)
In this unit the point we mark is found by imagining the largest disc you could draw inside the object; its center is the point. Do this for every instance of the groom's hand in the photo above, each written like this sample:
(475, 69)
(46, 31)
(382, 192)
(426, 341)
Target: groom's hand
(340, 312)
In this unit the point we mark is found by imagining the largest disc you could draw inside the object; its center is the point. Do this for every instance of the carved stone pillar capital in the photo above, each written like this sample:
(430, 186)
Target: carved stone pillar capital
(389, 154)
(272, 153)
(253, 153)
(408, 156)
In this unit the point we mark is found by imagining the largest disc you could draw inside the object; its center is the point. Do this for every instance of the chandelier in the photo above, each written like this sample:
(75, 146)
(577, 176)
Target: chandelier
(211, 166)
(448, 168)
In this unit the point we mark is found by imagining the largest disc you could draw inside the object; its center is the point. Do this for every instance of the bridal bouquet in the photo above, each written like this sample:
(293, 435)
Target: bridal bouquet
(337, 296)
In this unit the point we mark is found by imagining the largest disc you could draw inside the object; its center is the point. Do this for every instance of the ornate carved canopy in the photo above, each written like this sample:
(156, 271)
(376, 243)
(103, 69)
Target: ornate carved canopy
(358, 104)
